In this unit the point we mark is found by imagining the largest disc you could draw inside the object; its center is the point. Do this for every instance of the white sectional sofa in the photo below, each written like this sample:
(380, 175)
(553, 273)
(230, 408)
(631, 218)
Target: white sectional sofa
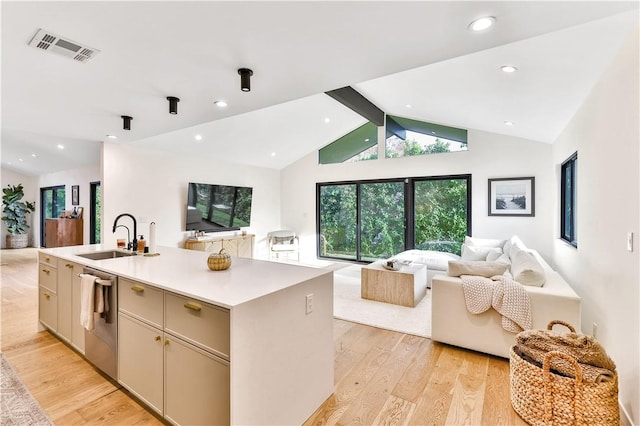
(452, 323)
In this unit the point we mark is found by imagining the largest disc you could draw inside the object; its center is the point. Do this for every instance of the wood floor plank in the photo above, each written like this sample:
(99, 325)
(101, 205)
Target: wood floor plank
(468, 391)
(396, 411)
(413, 382)
(498, 414)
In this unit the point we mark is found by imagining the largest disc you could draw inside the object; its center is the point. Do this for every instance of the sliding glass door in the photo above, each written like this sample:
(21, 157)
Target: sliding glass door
(369, 220)
(52, 203)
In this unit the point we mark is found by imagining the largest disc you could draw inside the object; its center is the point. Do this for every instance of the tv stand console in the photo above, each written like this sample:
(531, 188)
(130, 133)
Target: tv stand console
(234, 245)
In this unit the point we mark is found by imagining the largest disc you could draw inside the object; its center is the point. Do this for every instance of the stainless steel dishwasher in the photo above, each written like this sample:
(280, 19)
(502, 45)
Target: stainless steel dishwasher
(101, 343)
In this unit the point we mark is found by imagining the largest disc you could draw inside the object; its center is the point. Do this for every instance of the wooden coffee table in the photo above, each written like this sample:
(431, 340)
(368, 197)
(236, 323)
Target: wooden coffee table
(405, 287)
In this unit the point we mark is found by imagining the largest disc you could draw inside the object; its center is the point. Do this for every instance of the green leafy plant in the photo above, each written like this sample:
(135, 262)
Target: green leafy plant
(14, 210)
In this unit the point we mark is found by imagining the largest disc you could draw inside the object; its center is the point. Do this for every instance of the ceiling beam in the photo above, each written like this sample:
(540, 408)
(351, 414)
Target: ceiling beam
(349, 97)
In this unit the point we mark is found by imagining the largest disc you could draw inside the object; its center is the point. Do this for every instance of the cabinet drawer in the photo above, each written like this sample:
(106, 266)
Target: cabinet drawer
(48, 277)
(197, 322)
(48, 308)
(141, 301)
(48, 259)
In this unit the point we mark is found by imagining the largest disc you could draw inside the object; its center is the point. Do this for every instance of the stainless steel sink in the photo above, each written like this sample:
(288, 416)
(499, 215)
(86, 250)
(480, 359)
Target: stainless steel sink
(102, 255)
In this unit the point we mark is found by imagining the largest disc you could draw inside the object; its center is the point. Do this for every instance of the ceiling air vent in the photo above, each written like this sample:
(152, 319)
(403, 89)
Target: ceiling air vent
(46, 40)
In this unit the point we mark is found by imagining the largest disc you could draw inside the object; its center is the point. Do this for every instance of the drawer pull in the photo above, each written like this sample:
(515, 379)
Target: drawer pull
(158, 338)
(166, 342)
(68, 265)
(137, 288)
(46, 271)
(47, 295)
(193, 306)
(47, 259)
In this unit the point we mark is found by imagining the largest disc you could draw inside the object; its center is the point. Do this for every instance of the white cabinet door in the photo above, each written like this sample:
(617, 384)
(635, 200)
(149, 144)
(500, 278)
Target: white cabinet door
(65, 289)
(140, 360)
(77, 330)
(48, 308)
(196, 385)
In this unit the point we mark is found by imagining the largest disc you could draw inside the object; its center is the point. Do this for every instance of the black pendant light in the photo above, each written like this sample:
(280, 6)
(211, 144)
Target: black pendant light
(245, 79)
(173, 104)
(126, 122)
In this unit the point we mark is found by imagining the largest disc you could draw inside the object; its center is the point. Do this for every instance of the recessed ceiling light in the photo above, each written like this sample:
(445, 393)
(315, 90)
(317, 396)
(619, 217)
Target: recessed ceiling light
(482, 24)
(508, 123)
(508, 68)
(34, 155)
(198, 137)
(20, 159)
(409, 106)
(60, 146)
(112, 136)
(366, 140)
(273, 154)
(326, 120)
(220, 104)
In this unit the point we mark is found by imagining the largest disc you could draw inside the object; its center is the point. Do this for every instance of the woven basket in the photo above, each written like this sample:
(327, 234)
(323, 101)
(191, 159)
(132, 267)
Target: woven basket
(542, 397)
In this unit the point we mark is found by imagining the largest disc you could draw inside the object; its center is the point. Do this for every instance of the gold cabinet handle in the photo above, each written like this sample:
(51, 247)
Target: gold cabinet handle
(166, 342)
(68, 265)
(158, 338)
(193, 306)
(47, 259)
(46, 271)
(137, 288)
(47, 295)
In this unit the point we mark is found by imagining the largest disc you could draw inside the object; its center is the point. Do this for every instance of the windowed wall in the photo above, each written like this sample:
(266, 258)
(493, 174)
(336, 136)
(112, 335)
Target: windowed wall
(95, 217)
(369, 220)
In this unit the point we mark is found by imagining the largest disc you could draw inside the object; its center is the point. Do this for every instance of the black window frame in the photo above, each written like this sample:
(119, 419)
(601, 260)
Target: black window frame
(93, 213)
(568, 172)
(55, 211)
(409, 188)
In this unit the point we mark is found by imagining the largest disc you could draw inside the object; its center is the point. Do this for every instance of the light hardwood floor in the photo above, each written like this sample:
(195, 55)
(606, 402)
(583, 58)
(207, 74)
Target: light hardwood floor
(381, 377)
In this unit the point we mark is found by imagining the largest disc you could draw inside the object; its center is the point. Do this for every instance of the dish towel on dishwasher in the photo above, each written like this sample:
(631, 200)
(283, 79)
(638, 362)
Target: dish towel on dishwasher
(87, 294)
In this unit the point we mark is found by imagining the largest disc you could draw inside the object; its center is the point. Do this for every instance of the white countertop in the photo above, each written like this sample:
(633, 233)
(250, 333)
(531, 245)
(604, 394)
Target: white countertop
(185, 272)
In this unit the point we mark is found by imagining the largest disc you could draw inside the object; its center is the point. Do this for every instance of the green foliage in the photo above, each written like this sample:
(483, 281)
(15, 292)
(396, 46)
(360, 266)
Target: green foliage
(396, 148)
(14, 210)
(440, 218)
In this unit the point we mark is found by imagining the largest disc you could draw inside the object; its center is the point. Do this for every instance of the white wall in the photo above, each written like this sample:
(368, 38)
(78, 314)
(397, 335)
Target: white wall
(605, 133)
(81, 177)
(152, 186)
(29, 183)
(489, 156)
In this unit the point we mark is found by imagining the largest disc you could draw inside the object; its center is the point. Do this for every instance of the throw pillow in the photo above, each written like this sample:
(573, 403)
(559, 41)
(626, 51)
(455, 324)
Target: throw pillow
(477, 253)
(514, 241)
(479, 268)
(483, 242)
(526, 269)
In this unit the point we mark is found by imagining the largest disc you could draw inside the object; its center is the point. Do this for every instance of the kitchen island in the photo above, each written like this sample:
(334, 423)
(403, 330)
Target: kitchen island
(249, 345)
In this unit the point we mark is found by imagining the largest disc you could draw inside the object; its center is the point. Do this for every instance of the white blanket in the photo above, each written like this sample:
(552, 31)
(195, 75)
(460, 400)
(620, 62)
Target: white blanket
(506, 296)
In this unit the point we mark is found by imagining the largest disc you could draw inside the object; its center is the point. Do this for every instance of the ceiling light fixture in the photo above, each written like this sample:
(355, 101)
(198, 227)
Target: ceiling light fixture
(409, 106)
(173, 104)
(245, 79)
(198, 137)
(482, 24)
(112, 136)
(508, 68)
(60, 146)
(508, 123)
(34, 155)
(126, 122)
(273, 154)
(327, 120)
(220, 104)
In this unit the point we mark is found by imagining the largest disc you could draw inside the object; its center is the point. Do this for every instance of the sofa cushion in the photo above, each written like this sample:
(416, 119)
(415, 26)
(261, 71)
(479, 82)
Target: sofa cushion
(478, 253)
(434, 260)
(526, 269)
(481, 268)
(483, 242)
(513, 242)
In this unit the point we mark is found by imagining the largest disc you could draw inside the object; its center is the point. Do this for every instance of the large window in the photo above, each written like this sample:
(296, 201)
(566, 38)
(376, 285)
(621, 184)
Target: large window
(568, 193)
(369, 220)
(406, 137)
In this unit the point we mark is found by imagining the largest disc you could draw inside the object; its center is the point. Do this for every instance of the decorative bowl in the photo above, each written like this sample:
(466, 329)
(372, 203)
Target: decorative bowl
(391, 264)
(219, 261)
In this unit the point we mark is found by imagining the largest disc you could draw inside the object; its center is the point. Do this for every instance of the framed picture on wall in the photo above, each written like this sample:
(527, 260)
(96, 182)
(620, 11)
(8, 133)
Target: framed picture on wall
(512, 196)
(75, 195)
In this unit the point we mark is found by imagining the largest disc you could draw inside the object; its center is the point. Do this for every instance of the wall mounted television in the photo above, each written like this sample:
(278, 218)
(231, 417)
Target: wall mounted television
(216, 208)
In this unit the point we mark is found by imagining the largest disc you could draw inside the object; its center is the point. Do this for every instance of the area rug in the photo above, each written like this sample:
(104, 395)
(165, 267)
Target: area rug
(18, 406)
(348, 305)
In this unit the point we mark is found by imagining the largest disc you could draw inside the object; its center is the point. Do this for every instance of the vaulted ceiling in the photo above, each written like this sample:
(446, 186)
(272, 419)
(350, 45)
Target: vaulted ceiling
(395, 53)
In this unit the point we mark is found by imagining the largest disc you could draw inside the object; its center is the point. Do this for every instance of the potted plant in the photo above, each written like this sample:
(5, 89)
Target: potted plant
(14, 215)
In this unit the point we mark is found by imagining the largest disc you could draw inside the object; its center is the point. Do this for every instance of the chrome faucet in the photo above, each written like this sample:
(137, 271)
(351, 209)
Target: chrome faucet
(134, 243)
(128, 235)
